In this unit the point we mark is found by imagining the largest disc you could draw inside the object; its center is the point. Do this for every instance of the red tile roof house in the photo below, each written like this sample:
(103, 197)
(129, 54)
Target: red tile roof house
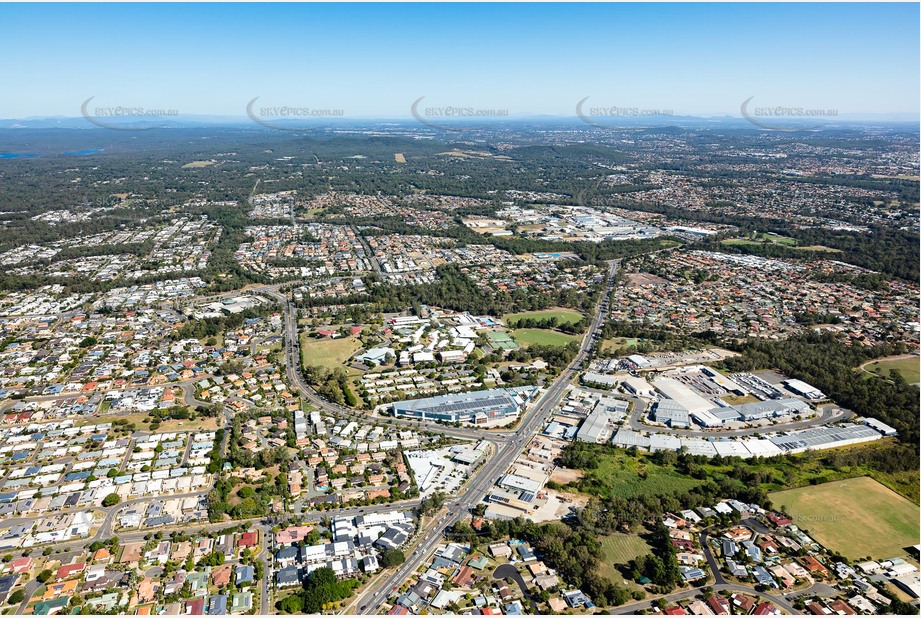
(19, 565)
(464, 577)
(817, 609)
(248, 539)
(719, 605)
(292, 535)
(841, 608)
(220, 576)
(69, 570)
(195, 607)
(813, 565)
(676, 611)
(766, 609)
(743, 602)
(779, 519)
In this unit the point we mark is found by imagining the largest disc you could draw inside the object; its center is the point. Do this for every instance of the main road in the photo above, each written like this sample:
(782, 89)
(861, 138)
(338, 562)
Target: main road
(484, 478)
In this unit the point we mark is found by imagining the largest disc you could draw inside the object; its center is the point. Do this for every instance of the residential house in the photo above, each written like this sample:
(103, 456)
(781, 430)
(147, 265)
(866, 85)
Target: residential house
(719, 605)
(241, 602)
(244, 575)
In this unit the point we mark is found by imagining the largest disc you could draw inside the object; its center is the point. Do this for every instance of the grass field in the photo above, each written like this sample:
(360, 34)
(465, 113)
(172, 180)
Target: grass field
(197, 164)
(539, 336)
(565, 316)
(775, 239)
(857, 517)
(909, 368)
(619, 474)
(618, 549)
(821, 248)
(329, 353)
(200, 423)
(612, 345)
(761, 238)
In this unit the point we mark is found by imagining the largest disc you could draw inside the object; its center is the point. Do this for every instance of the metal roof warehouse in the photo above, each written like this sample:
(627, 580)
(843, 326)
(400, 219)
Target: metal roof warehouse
(492, 404)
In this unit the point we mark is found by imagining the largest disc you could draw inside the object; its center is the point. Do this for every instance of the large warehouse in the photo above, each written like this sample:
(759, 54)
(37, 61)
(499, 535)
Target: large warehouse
(477, 407)
(672, 414)
(683, 394)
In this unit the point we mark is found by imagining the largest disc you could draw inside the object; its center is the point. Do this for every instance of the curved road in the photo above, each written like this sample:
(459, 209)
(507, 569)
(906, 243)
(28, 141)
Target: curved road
(292, 367)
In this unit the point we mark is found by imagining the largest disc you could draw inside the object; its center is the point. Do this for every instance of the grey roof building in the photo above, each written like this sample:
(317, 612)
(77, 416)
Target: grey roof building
(672, 413)
(217, 605)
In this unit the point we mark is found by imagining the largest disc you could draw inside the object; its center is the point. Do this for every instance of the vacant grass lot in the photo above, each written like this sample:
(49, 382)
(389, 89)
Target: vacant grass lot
(909, 368)
(329, 353)
(619, 474)
(762, 238)
(857, 517)
(619, 549)
(612, 345)
(774, 239)
(539, 336)
(565, 316)
(200, 423)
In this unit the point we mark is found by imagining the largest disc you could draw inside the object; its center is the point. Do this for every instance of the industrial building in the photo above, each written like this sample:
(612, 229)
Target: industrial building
(594, 428)
(825, 437)
(600, 379)
(805, 390)
(749, 412)
(639, 362)
(815, 438)
(477, 407)
(722, 381)
(672, 413)
(880, 426)
(638, 386)
(597, 426)
(706, 419)
(769, 409)
(627, 438)
(683, 394)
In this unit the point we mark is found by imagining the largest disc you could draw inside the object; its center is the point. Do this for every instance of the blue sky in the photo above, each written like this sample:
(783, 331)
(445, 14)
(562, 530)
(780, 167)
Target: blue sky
(375, 60)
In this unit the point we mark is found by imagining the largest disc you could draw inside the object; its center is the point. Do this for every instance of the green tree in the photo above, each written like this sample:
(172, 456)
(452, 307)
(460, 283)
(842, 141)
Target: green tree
(215, 558)
(391, 558)
(111, 500)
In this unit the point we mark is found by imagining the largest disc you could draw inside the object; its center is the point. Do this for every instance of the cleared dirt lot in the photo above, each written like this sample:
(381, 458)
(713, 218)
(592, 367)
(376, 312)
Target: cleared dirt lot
(645, 279)
(564, 476)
